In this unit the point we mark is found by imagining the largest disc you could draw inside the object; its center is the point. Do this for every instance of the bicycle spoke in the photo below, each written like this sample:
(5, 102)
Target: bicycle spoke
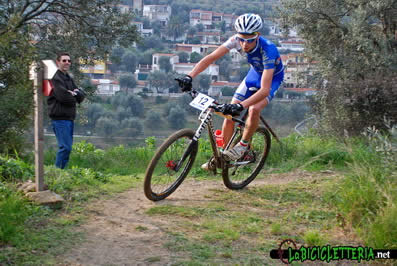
(162, 178)
(238, 174)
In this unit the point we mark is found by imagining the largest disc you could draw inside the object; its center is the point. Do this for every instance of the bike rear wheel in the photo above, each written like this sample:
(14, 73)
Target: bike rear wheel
(238, 174)
(162, 178)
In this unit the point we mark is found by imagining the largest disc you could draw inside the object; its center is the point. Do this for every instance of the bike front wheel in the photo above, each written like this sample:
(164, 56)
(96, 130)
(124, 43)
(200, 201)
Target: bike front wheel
(167, 170)
(238, 174)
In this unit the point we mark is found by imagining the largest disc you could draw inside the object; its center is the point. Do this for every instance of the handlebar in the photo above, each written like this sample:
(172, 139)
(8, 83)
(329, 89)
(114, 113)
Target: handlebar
(218, 108)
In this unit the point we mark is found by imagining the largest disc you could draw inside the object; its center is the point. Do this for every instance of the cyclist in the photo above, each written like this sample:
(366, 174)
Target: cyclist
(258, 87)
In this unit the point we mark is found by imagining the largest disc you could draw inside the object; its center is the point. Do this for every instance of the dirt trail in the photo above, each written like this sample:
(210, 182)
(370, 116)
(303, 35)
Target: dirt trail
(118, 232)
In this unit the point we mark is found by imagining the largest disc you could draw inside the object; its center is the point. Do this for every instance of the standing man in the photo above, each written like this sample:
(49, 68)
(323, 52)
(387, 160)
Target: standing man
(62, 108)
(258, 87)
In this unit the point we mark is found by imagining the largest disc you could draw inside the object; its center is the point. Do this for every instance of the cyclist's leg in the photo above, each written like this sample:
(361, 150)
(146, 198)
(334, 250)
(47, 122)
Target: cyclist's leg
(254, 112)
(228, 127)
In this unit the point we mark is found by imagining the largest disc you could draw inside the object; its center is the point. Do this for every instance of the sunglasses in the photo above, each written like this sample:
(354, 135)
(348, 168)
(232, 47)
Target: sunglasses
(249, 40)
(66, 60)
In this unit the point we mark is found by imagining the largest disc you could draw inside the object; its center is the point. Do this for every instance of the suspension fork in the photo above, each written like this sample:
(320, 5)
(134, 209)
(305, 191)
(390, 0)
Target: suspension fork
(189, 149)
(194, 142)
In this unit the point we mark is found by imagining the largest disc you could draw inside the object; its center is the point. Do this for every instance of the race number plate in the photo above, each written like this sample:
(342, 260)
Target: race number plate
(201, 102)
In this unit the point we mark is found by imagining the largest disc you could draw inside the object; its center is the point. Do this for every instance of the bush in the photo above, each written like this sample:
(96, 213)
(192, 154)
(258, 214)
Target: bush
(15, 170)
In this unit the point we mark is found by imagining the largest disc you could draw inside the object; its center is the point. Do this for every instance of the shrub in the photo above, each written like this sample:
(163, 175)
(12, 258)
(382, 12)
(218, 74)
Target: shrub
(15, 169)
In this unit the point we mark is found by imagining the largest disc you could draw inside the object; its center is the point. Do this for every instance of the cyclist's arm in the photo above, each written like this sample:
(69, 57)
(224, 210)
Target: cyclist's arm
(263, 92)
(208, 60)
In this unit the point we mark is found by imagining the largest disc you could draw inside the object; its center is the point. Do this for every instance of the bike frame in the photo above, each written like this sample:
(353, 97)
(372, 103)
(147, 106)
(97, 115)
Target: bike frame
(206, 121)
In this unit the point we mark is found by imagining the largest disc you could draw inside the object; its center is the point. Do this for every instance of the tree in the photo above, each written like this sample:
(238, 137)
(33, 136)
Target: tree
(227, 91)
(191, 31)
(86, 29)
(354, 44)
(127, 81)
(146, 57)
(153, 120)
(94, 112)
(200, 27)
(176, 118)
(131, 127)
(129, 62)
(204, 81)
(16, 92)
(244, 68)
(183, 57)
(160, 81)
(225, 63)
(135, 105)
(106, 127)
(195, 57)
(115, 57)
(222, 26)
(152, 42)
(175, 27)
(165, 64)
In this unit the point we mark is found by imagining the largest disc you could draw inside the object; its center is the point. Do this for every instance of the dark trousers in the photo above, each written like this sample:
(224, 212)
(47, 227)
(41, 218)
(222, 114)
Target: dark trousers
(63, 130)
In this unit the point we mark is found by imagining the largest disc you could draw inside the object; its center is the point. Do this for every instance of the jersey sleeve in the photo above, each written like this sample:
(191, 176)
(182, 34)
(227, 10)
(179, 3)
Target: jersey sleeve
(272, 54)
(232, 43)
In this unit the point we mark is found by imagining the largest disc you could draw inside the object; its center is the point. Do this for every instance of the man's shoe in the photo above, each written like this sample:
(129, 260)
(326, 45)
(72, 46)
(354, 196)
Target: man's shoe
(235, 153)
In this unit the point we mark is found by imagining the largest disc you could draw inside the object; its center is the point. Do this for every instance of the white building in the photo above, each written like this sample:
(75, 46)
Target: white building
(217, 86)
(156, 59)
(141, 30)
(185, 68)
(160, 13)
(209, 18)
(198, 48)
(293, 45)
(106, 87)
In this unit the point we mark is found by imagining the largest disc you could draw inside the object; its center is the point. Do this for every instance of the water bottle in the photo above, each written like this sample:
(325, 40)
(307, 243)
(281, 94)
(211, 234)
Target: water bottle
(219, 138)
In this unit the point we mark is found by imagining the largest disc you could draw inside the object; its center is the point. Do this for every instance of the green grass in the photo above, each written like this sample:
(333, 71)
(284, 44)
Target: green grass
(314, 238)
(241, 227)
(229, 227)
(35, 235)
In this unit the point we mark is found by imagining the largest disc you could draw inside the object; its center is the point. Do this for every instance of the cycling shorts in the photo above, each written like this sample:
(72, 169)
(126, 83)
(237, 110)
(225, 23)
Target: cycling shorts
(252, 83)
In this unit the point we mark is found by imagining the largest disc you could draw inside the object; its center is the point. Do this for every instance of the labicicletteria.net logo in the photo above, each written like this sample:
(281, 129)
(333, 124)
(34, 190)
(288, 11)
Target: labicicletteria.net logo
(288, 253)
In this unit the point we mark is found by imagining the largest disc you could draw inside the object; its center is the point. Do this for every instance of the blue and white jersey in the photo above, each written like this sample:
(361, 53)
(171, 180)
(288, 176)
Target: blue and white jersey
(264, 56)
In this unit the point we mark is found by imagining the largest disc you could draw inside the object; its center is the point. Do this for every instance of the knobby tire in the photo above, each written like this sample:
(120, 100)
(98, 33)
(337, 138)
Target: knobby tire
(160, 168)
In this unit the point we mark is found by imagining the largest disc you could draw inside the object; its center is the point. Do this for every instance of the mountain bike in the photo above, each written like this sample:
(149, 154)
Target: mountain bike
(175, 157)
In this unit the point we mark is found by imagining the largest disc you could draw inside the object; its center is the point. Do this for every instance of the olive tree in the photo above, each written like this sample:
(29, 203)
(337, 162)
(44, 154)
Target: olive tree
(355, 45)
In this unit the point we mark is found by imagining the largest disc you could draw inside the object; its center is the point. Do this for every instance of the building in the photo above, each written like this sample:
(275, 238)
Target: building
(156, 59)
(216, 87)
(209, 37)
(160, 13)
(106, 87)
(123, 8)
(185, 68)
(202, 49)
(209, 19)
(299, 92)
(142, 72)
(298, 70)
(137, 6)
(293, 45)
(141, 30)
(98, 70)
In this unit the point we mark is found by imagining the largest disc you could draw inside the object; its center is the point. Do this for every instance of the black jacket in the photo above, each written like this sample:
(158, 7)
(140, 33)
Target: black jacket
(61, 103)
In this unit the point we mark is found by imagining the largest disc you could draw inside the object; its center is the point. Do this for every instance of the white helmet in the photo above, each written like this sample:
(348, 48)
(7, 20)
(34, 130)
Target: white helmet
(248, 23)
